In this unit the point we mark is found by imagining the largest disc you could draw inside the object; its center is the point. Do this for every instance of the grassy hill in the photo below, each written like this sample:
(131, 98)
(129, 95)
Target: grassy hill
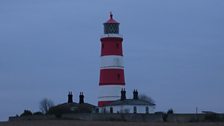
(97, 123)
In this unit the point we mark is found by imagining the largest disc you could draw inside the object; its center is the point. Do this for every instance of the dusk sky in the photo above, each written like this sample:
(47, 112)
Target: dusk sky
(173, 51)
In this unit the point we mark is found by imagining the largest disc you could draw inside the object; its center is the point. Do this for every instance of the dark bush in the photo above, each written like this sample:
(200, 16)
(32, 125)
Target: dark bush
(170, 111)
(26, 113)
(212, 117)
(165, 116)
(38, 113)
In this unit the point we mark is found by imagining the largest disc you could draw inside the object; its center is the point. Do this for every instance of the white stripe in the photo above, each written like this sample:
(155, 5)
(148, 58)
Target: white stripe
(112, 61)
(109, 92)
(111, 36)
(109, 98)
(111, 68)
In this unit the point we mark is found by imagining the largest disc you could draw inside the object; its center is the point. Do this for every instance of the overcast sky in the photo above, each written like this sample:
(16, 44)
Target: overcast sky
(173, 51)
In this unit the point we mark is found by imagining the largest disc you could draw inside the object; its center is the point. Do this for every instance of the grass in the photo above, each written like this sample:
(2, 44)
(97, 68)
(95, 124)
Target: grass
(99, 123)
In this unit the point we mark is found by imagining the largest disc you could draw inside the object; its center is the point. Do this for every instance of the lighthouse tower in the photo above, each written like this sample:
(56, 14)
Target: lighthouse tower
(112, 79)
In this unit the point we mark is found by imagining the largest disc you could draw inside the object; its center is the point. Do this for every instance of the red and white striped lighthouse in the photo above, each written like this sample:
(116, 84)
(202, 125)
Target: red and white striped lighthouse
(112, 69)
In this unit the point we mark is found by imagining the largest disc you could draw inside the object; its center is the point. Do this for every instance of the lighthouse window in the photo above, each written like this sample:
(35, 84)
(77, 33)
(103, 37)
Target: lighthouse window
(117, 45)
(111, 28)
(118, 76)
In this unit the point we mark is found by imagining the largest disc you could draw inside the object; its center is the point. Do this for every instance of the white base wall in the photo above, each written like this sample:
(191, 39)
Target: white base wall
(127, 109)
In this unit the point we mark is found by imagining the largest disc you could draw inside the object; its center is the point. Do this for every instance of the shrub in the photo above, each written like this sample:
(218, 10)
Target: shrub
(26, 113)
(212, 117)
(170, 111)
(165, 116)
(38, 113)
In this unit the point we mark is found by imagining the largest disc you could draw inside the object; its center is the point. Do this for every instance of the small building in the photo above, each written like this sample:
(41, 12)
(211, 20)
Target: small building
(124, 105)
(72, 107)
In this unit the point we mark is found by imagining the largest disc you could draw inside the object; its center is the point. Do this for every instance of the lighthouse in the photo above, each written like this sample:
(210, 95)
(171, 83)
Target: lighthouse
(112, 79)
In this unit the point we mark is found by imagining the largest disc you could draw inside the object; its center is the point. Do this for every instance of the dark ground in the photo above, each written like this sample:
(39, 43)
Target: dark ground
(101, 123)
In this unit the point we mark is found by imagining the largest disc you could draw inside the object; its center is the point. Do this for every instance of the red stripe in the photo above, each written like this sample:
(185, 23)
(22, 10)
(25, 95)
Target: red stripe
(111, 38)
(111, 46)
(112, 76)
(104, 84)
(103, 103)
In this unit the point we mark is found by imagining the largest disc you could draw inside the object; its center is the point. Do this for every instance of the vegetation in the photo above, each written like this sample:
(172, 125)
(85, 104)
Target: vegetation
(165, 115)
(98, 123)
(38, 113)
(170, 111)
(26, 113)
(45, 105)
(212, 117)
(146, 98)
